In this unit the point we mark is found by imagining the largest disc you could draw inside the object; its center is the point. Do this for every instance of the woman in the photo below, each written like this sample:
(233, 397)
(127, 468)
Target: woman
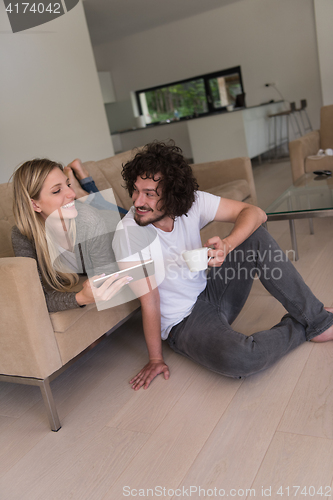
(65, 238)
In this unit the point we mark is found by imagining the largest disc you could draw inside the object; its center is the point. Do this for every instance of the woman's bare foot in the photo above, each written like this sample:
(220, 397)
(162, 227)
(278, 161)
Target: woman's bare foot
(328, 334)
(78, 169)
(75, 185)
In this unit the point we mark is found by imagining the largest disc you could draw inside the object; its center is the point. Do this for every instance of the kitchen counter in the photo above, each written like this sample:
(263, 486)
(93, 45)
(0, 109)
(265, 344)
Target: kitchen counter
(215, 136)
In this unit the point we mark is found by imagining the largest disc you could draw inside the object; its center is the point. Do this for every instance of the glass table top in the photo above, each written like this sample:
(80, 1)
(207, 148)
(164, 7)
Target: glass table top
(309, 193)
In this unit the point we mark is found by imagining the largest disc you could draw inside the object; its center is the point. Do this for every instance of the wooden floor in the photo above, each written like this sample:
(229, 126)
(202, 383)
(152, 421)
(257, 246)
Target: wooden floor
(269, 432)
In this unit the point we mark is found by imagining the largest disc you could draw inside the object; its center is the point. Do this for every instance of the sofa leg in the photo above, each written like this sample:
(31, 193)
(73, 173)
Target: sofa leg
(44, 385)
(50, 406)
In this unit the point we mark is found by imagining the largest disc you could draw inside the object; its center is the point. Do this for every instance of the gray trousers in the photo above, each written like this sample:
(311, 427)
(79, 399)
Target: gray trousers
(206, 337)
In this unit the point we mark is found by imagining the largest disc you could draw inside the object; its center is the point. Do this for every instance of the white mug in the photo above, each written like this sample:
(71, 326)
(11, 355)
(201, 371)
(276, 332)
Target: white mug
(196, 260)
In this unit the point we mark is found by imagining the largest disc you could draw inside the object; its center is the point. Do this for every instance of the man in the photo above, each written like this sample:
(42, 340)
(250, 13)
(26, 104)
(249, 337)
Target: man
(193, 312)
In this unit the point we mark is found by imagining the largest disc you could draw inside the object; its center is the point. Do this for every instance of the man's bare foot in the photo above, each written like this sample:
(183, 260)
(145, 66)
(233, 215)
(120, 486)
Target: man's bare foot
(328, 334)
(78, 169)
(75, 185)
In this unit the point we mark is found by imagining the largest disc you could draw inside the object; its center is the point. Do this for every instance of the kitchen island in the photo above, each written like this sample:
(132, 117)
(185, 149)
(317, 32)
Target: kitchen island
(217, 136)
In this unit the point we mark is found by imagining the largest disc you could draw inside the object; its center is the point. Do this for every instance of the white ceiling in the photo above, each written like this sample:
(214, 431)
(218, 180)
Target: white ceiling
(110, 20)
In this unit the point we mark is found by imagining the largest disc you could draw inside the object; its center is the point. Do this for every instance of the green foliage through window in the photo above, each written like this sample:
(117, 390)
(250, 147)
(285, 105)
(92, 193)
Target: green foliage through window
(190, 98)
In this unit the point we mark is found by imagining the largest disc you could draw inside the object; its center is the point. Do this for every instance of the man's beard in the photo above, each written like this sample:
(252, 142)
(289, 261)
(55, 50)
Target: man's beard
(151, 221)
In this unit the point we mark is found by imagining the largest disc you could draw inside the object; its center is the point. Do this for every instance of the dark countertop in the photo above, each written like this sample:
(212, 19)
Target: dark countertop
(192, 117)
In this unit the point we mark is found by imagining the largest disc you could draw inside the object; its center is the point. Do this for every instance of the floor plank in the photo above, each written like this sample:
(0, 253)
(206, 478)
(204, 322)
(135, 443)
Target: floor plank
(16, 399)
(167, 455)
(234, 451)
(310, 409)
(134, 415)
(5, 422)
(99, 466)
(285, 467)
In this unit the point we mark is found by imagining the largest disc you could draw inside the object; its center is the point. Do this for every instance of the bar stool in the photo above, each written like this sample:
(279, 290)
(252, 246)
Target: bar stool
(279, 138)
(302, 110)
(293, 111)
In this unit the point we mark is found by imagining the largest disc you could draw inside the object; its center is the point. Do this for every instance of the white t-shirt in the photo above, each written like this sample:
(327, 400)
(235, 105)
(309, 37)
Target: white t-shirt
(178, 286)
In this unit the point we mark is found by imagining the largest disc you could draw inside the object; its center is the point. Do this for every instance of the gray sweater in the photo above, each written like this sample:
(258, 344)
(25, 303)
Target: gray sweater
(93, 251)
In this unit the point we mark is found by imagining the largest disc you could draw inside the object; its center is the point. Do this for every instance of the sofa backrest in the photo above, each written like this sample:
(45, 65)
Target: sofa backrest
(107, 173)
(216, 173)
(326, 127)
(6, 219)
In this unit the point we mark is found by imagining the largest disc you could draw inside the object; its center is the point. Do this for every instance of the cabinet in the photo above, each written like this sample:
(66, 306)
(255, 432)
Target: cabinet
(106, 84)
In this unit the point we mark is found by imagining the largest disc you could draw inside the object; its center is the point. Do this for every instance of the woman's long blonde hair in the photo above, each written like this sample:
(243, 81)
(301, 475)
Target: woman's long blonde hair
(28, 181)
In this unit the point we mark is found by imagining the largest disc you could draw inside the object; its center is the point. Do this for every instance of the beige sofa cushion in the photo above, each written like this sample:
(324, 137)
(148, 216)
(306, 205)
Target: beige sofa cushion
(236, 190)
(6, 249)
(110, 170)
(218, 173)
(98, 176)
(76, 329)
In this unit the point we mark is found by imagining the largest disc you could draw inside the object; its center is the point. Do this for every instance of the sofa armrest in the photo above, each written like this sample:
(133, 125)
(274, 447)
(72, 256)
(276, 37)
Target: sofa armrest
(216, 173)
(27, 343)
(299, 149)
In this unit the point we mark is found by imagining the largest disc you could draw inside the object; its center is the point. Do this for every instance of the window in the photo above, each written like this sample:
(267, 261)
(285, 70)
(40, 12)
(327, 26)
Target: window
(190, 98)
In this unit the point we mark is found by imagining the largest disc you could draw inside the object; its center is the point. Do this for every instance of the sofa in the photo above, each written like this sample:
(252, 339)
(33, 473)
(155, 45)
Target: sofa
(303, 151)
(35, 345)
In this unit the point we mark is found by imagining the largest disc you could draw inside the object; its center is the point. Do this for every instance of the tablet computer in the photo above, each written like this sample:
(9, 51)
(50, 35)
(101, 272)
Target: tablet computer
(137, 272)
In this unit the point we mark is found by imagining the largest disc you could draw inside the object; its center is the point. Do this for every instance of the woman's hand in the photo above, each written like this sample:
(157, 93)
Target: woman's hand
(90, 293)
(149, 372)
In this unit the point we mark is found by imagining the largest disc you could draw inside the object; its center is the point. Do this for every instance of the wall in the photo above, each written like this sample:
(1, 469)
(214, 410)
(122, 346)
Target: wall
(50, 98)
(272, 40)
(324, 16)
(179, 130)
(120, 115)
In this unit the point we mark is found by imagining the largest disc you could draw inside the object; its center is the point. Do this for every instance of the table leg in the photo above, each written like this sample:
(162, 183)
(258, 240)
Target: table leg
(293, 237)
(311, 226)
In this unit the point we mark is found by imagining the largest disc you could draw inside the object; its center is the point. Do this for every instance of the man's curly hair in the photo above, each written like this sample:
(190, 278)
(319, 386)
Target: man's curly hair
(177, 180)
